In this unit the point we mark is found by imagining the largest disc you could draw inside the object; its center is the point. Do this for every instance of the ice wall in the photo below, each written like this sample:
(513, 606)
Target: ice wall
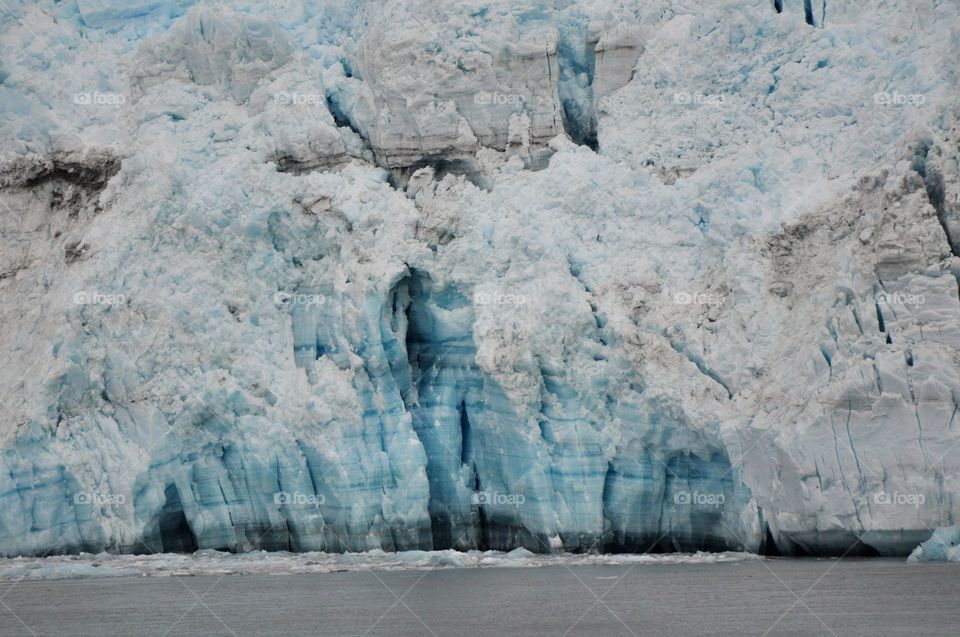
(499, 480)
(230, 322)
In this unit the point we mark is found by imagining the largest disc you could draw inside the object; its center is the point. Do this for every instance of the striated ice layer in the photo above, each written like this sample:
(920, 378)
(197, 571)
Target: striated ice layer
(497, 481)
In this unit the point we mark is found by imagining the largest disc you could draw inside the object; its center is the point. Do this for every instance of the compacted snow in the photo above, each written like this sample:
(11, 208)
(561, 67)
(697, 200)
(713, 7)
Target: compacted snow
(415, 275)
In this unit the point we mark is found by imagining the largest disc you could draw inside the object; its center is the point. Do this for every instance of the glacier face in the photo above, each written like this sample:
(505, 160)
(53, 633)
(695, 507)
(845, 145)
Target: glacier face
(579, 276)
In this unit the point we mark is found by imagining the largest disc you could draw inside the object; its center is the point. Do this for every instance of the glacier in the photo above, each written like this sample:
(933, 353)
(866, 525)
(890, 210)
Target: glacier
(557, 276)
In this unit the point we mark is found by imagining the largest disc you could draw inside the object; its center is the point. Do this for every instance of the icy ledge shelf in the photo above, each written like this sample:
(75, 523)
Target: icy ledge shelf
(209, 562)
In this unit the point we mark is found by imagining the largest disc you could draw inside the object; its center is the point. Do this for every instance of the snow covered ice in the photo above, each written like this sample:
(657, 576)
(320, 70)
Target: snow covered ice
(415, 276)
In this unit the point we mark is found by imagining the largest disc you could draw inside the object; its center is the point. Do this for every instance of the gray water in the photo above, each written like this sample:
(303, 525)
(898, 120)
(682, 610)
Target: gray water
(846, 597)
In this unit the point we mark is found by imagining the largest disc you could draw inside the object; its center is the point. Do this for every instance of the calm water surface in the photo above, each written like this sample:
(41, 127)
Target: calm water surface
(847, 597)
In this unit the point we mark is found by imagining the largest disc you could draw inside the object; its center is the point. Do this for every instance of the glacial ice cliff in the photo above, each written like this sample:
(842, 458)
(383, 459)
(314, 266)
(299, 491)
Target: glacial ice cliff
(582, 276)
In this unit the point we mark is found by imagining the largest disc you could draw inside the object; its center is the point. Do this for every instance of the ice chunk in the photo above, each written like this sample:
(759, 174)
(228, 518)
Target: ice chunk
(943, 546)
(214, 47)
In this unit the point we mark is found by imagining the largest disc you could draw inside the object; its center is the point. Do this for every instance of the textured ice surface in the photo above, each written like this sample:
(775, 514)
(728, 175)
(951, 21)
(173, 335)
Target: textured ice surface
(440, 95)
(660, 276)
